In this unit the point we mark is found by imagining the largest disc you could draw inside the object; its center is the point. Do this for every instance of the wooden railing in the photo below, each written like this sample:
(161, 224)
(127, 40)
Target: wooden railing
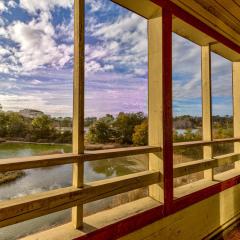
(36, 205)
(187, 168)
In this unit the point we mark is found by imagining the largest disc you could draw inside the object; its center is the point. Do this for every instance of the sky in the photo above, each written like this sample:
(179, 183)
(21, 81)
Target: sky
(36, 61)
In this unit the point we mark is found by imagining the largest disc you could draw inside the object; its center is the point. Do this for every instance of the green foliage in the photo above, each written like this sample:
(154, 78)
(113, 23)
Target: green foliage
(42, 128)
(187, 136)
(16, 125)
(101, 131)
(124, 126)
(3, 124)
(140, 135)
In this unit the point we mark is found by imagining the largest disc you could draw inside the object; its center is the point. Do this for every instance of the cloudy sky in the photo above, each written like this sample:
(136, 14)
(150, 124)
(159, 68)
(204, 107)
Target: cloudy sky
(36, 60)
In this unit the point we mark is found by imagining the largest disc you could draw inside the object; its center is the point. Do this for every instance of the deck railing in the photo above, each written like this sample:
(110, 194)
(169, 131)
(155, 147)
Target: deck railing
(40, 204)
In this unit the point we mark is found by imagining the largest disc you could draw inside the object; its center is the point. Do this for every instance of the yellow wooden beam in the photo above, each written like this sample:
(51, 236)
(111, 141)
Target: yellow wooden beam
(144, 8)
(236, 106)
(78, 104)
(207, 106)
(155, 101)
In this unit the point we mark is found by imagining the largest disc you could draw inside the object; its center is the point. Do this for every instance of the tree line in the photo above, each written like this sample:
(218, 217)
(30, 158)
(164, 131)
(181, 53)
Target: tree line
(125, 128)
(14, 126)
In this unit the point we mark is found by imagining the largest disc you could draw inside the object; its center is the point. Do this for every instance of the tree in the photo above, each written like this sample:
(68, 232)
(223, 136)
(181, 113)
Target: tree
(124, 126)
(3, 124)
(89, 121)
(140, 135)
(42, 127)
(100, 132)
(16, 125)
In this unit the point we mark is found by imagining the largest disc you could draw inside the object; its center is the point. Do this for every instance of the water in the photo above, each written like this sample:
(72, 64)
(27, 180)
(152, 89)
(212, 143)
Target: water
(45, 179)
(182, 131)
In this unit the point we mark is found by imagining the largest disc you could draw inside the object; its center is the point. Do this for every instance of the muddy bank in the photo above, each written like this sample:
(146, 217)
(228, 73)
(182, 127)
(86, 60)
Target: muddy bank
(11, 176)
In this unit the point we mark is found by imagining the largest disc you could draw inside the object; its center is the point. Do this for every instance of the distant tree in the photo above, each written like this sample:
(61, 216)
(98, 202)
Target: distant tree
(124, 126)
(16, 125)
(42, 127)
(100, 132)
(140, 135)
(3, 124)
(89, 121)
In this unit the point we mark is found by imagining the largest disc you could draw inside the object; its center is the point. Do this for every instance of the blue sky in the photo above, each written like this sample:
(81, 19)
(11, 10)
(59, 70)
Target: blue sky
(36, 58)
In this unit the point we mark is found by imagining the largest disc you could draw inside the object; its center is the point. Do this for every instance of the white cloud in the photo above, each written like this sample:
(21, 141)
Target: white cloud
(44, 5)
(36, 44)
(12, 4)
(2, 6)
(35, 82)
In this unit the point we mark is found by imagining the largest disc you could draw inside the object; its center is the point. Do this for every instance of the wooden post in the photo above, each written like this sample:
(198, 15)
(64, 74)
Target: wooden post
(236, 107)
(207, 107)
(160, 104)
(78, 104)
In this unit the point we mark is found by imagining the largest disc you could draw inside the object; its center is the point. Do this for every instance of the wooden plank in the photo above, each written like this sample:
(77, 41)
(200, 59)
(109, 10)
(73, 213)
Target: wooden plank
(21, 163)
(78, 103)
(236, 107)
(109, 224)
(144, 8)
(204, 143)
(204, 192)
(192, 187)
(206, 106)
(155, 126)
(197, 10)
(21, 209)
(201, 165)
(119, 152)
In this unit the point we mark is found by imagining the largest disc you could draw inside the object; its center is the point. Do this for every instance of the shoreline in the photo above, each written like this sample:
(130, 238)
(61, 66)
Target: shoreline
(11, 176)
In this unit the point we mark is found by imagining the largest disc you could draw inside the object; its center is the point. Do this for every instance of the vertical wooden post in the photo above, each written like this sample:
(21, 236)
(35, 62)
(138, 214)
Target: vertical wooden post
(207, 106)
(78, 104)
(155, 101)
(236, 107)
(160, 104)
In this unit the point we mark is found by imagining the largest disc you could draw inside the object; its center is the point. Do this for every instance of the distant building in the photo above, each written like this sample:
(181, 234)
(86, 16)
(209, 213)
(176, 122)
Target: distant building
(31, 113)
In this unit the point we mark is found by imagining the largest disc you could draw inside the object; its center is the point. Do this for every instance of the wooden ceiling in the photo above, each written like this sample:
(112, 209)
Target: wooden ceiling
(221, 15)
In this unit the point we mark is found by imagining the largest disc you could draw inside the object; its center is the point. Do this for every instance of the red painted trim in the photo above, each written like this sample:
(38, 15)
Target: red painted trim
(195, 22)
(204, 194)
(167, 108)
(125, 226)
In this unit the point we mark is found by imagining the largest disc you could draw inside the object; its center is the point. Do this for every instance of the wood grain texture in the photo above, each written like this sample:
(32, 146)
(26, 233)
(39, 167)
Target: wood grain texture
(68, 158)
(206, 106)
(201, 165)
(155, 101)
(78, 103)
(236, 107)
(204, 143)
(36, 205)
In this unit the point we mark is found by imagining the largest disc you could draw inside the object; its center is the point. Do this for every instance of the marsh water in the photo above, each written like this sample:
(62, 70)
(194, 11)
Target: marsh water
(45, 179)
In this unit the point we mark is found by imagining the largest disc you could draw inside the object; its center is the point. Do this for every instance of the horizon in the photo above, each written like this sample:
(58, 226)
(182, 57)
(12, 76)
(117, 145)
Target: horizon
(36, 68)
